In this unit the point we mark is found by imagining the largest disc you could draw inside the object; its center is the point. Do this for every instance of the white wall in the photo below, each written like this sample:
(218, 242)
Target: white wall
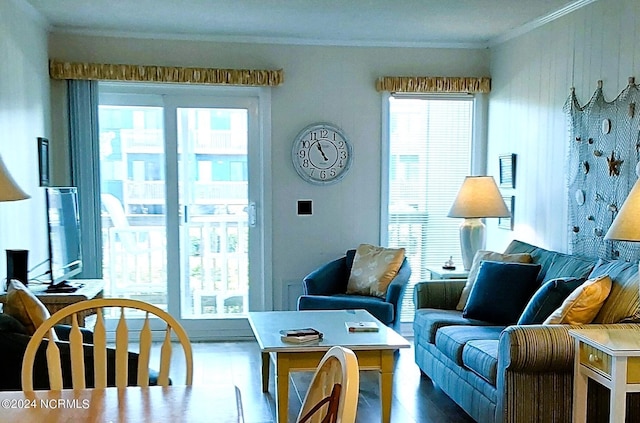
(24, 116)
(334, 84)
(531, 78)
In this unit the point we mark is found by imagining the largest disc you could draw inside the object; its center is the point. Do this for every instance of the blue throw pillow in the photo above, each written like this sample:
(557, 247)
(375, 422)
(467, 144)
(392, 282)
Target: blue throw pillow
(501, 291)
(547, 299)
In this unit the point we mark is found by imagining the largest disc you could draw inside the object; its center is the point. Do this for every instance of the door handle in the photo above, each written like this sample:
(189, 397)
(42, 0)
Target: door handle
(253, 214)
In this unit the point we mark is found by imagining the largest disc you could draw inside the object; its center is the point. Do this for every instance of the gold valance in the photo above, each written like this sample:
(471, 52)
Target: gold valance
(433, 84)
(146, 73)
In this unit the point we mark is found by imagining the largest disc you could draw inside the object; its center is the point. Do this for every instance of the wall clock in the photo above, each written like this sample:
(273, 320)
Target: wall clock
(321, 154)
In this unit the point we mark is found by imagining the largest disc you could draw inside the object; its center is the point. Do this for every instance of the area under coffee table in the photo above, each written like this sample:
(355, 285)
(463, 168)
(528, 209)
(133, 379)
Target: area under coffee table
(373, 349)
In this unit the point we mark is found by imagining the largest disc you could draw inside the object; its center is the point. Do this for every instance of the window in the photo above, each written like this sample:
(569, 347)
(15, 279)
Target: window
(429, 153)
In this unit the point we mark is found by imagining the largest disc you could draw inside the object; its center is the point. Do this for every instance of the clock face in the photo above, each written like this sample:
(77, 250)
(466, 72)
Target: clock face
(321, 154)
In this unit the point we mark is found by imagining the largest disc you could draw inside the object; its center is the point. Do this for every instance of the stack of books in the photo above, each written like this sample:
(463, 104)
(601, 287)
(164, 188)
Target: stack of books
(361, 326)
(299, 336)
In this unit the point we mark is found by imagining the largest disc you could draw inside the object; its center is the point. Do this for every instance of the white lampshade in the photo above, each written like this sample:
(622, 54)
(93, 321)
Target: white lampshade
(9, 189)
(626, 225)
(479, 197)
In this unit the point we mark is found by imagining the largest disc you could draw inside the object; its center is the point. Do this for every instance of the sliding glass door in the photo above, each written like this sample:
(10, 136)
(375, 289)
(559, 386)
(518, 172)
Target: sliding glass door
(180, 228)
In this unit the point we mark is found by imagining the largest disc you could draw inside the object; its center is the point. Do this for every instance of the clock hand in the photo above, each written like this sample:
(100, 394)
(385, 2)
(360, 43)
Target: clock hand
(321, 152)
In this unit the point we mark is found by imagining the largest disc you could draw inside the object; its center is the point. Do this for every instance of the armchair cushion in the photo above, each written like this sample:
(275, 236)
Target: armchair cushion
(379, 308)
(22, 304)
(547, 299)
(373, 269)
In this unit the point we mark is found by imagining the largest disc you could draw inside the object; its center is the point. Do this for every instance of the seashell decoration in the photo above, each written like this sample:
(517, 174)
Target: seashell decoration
(597, 153)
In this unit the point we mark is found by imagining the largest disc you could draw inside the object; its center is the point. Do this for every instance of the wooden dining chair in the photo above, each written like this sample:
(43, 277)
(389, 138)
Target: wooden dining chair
(333, 394)
(77, 348)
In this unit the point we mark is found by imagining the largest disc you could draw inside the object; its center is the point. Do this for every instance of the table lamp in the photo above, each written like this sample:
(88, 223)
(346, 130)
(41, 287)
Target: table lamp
(626, 225)
(16, 259)
(478, 198)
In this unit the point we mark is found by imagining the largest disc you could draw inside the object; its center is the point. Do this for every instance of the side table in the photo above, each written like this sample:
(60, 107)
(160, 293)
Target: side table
(437, 273)
(54, 301)
(610, 357)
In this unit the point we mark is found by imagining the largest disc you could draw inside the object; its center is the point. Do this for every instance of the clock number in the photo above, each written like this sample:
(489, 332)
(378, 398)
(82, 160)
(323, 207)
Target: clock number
(324, 133)
(305, 163)
(340, 144)
(313, 136)
(323, 174)
(340, 164)
(343, 155)
(332, 172)
(305, 144)
(302, 154)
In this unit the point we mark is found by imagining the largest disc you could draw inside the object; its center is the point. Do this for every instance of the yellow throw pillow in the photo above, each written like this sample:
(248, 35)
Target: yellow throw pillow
(373, 269)
(583, 304)
(24, 306)
(481, 256)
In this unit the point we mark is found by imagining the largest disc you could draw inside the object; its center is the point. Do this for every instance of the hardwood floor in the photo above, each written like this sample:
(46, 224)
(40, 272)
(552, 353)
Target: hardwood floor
(415, 399)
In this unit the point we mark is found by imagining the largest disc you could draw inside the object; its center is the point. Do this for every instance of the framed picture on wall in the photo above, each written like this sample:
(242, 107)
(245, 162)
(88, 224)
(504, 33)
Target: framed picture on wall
(507, 170)
(507, 222)
(43, 161)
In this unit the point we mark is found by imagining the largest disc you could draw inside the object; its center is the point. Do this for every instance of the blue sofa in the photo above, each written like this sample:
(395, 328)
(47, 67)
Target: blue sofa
(518, 373)
(325, 289)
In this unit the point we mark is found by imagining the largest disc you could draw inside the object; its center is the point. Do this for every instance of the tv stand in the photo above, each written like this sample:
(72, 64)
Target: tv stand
(54, 301)
(64, 287)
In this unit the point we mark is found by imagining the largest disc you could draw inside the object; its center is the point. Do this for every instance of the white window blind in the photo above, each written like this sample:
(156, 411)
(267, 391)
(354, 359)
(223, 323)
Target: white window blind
(429, 156)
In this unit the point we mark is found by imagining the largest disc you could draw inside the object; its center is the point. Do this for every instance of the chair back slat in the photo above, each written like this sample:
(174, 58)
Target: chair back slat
(144, 353)
(100, 351)
(122, 351)
(333, 394)
(165, 359)
(53, 364)
(77, 354)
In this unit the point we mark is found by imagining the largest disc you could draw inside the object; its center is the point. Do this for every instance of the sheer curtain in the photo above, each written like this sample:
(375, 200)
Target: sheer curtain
(85, 170)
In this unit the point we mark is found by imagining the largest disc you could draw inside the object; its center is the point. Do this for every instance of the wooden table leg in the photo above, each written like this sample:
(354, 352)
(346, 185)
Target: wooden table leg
(266, 360)
(386, 384)
(282, 388)
(618, 393)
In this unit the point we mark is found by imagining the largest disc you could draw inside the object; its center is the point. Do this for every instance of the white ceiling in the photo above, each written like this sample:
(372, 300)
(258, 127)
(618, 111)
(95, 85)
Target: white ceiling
(446, 23)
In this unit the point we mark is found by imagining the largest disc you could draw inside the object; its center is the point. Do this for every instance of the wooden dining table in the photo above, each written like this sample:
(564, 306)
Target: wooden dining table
(155, 404)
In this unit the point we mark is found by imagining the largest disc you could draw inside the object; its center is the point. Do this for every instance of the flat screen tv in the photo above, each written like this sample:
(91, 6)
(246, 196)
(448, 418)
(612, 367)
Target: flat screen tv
(65, 256)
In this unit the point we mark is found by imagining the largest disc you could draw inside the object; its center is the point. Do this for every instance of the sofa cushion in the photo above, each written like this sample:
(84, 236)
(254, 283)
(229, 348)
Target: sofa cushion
(623, 301)
(501, 291)
(427, 321)
(451, 340)
(11, 324)
(373, 269)
(583, 304)
(547, 299)
(481, 357)
(378, 307)
(563, 265)
(22, 304)
(481, 256)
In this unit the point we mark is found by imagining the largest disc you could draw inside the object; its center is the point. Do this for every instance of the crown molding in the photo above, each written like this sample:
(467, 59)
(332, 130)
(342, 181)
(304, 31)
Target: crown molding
(537, 23)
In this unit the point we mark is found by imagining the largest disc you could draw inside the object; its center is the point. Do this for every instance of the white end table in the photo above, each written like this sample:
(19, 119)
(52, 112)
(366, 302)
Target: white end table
(437, 273)
(611, 357)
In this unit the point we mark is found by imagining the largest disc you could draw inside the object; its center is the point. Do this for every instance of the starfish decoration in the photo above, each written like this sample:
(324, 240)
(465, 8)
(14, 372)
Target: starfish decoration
(614, 164)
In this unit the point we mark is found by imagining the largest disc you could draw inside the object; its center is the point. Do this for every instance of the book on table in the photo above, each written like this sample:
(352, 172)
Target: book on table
(298, 336)
(361, 326)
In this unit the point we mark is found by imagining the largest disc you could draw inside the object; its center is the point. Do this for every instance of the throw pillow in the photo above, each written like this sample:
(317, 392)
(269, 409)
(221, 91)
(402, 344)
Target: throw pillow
(373, 269)
(501, 291)
(583, 304)
(547, 299)
(491, 256)
(11, 324)
(25, 307)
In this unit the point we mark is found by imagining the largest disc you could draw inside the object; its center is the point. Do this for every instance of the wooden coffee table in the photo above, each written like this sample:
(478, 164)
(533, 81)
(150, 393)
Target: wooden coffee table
(373, 349)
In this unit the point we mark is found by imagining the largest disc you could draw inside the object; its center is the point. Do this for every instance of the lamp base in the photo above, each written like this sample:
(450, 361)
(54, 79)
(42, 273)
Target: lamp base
(472, 238)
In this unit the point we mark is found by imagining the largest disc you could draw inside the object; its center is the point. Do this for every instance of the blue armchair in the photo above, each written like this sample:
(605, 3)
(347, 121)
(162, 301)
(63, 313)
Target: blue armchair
(325, 289)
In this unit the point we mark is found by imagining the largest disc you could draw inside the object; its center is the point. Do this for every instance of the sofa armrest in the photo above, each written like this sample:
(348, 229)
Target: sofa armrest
(328, 279)
(542, 348)
(442, 294)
